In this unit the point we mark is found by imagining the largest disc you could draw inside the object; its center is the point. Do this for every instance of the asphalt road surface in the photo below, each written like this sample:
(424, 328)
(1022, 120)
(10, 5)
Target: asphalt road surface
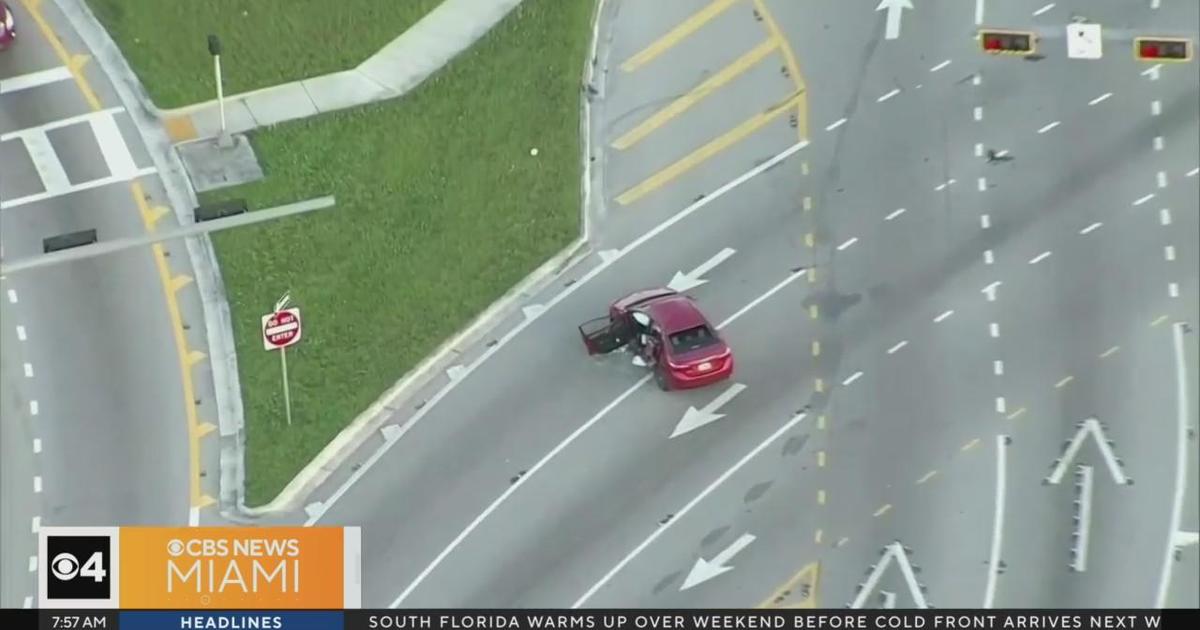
(94, 429)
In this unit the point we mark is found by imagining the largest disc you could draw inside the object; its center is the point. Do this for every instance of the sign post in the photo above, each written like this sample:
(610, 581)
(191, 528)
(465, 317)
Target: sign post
(280, 329)
(214, 49)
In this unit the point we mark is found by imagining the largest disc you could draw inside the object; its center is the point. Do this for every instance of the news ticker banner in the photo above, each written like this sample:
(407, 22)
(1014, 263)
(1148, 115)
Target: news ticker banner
(776, 619)
(200, 568)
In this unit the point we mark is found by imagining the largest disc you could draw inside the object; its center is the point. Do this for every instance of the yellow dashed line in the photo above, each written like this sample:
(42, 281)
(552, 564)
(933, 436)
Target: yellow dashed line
(820, 459)
(804, 167)
(812, 279)
(151, 216)
(793, 67)
(820, 423)
(820, 497)
(970, 445)
(685, 102)
(807, 203)
(194, 357)
(677, 34)
(1161, 319)
(819, 385)
(690, 161)
(1111, 351)
(927, 476)
(816, 348)
(883, 510)
(812, 309)
(809, 240)
(1016, 414)
(73, 64)
(1063, 382)
(818, 536)
(805, 583)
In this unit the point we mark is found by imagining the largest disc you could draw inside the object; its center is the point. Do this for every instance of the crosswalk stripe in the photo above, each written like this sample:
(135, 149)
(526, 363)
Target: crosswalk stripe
(34, 79)
(112, 147)
(46, 162)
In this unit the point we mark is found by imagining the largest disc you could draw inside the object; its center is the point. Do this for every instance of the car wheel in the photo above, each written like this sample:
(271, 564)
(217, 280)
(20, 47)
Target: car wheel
(660, 377)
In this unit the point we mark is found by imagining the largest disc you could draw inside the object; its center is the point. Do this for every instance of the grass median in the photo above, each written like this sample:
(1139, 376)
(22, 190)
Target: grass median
(264, 42)
(440, 210)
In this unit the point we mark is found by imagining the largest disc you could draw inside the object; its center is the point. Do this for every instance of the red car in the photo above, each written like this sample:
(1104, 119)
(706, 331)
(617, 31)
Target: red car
(8, 27)
(668, 333)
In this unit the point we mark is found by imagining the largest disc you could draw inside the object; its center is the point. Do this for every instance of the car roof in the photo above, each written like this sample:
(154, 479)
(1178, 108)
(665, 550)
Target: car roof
(674, 313)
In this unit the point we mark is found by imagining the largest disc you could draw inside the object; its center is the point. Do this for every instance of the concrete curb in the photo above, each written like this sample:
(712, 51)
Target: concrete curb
(350, 439)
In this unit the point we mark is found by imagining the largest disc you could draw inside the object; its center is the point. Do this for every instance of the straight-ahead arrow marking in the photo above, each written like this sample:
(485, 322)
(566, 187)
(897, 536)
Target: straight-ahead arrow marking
(684, 281)
(1083, 526)
(1092, 427)
(705, 570)
(894, 8)
(894, 551)
(695, 418)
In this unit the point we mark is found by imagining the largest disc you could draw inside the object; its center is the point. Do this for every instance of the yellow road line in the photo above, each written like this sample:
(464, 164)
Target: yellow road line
(820, 423)
(205, 428)
(819, 385)
(821, 497)
(883, 510)
(818, 536)
(793, 67)
(677, 34)
(807, 204)
(812, 309)
(927, 476)
(690, 161)
(820, 459)
(816, 348)
(685, 102)
(1063, 382)
(808, 579)
(180, 281)
(804, 167)
(1016, 414)
(73, 63)
(810, 239)
(970, 445)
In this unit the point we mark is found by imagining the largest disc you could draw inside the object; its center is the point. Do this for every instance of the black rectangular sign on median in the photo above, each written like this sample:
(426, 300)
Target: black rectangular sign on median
(220, 210)
(67, 241)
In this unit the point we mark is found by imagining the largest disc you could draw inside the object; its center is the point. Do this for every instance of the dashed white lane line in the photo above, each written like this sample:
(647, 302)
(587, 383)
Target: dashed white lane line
(982, 184)
(888, 95)
(835, 125)
(21, 332)
(1101, 98)
(1152, 71)
(37, 484)
(1154, 4)
(848, 243)
(12, 296)
(1156, 108)
(33, 564)
(37, 524)
(28, 601)
(1142, 200)
(978, 149)
(1193, 172)
(1164, 216)
(994, 330)
(940, 318)
(977, 79)
(37, 445)
(985, 221)
(1044, 9)
(940, 66)
(1173, 289)
(28, 370)
(33, 407)
(998, 367)
(1000, 404)
(990, 290)
(894, 214)
(896, 348)
(1039, 258)
(852, 378)
(943, 186)
(978, 113)
(1111, 351)
(1091, 228)
(1162, 179)
(988, 257)
(1049, 127)
(1169, 252)
(1158, 143)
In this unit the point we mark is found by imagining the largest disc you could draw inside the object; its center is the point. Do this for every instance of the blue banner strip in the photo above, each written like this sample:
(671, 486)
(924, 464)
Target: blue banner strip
(231, 620)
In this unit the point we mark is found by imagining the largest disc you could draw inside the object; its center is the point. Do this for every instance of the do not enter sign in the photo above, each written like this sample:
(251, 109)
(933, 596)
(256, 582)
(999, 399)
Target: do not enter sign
(281, 329)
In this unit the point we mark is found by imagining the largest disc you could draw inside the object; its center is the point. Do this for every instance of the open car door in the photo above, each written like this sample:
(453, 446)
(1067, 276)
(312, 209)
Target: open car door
(603, 335)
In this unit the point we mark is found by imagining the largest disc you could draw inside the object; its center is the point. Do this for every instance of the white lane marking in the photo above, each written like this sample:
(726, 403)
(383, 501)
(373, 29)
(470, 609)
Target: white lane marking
(978, 149)
(1154, 4)
(896, 348)
(1193, 172)
(1152, 71)
(940, 318)
(1039, 258)
(888, 95)
(989, 596)
(1162, 179)
(1181, 449)
(60, 123)
(28, 370)
(21, 332)
(1049, 127)
(37, 484)
(33, 407)
(979, 12)
(836, 124)
(1156, 108)
(977, 79)
(37, 524)
(990, 290)
(28, 601)
(994, 329)
(113, 148)
(1173, 289)
(1037, 13)
(982, 184)
(894, 214)
(1164, 216)
(940, 66)
(1083, 527)
(34, 79)
(194, 516)
(37, 445)
(1091, 228)
(852, 378)
(33, 564)
(998, 367)
(1158, 143)
(546, 458)
(848, 243)
(1142, 200)
(75, 188)
(1101, 98)
(978, 113)
(988, 257)
(1001, 405)
(45, 161)
(687, 508)
(1169, 253)
(12, 296)
(941, 187)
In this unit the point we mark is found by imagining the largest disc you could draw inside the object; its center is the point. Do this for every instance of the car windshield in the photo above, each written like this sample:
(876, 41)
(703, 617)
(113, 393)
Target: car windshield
(692, 339)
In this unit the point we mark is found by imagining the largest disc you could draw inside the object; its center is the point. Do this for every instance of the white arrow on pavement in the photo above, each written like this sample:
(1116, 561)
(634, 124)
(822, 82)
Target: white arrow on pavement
(894, 8)
(889, 599)
(684, 281)
(705, 570)
(1091, 427)
(1083, 520)
(695, 418)
(894, 551)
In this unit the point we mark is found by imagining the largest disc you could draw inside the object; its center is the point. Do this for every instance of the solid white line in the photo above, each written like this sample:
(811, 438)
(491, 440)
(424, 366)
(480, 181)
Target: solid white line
(60, 123)
(940, 66)
(1001, 407)
(978, 113)
(546, 458)
(1169, 252)
(1101, 98)
(1044, 9)
(679, 514)
(897, 347)
(982, 184)
(998, 367)
(1143, 200)
(994, 329)
(37, 445)
(888, 95)
(113, 148)
(847, 243)
(1156, 108)
(988, 257)
(33, 407)
(1181, 449)
(940, 318)
(1049, 127)
(21, 332)
(33, 564)
(1173, 289)
(989, 596)
(1193, 172)
(1039, 258)
(1084, 527)
(95, 183)
(1158, 143)
(853, 377)
(1162, 179)
(894, 214)
(37, 524)
(28, 370)
(1091, 227)
(978, 12)
(37, 484)
(34, 79)
(835, 125)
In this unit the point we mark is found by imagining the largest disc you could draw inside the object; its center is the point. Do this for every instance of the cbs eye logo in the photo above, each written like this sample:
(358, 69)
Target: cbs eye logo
(78, 567)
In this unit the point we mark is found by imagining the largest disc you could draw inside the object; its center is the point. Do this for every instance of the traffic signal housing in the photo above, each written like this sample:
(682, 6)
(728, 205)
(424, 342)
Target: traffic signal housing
(1159, 49)
(998, 42)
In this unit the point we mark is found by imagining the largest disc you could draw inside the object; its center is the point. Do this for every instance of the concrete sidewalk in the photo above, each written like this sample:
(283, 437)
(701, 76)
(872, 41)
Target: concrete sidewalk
(398, 67)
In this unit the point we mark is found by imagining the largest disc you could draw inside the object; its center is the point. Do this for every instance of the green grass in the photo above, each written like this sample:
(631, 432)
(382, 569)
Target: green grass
(440, 210)
(264, 42)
